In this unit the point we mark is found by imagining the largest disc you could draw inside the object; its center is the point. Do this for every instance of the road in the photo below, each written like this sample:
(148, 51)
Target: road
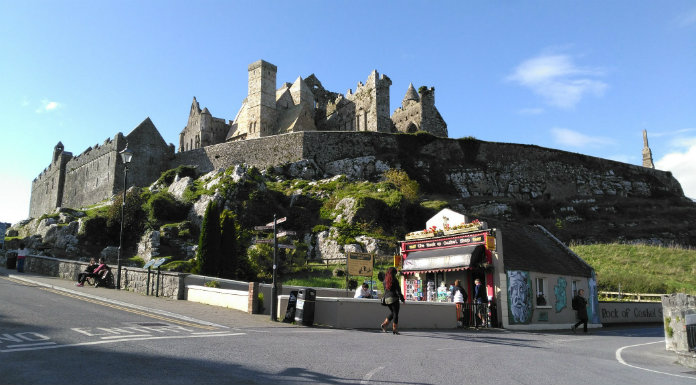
(50, 336)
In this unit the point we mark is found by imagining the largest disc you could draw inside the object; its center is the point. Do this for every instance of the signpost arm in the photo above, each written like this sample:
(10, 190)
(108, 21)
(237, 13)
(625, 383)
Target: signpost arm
(274, 290)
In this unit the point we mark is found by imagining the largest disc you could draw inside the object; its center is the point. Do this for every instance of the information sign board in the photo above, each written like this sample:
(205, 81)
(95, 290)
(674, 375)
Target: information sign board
(359, 264)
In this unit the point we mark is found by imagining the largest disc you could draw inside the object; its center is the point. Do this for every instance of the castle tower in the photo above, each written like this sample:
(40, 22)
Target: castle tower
(411, 96)
(57, 150)
(647, 154)
(261, 100)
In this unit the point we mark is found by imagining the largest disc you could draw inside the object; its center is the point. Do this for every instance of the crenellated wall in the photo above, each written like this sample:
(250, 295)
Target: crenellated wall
(90, 176)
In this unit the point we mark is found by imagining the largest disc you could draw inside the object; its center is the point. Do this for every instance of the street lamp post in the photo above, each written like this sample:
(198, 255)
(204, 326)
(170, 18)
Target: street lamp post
(126, 156)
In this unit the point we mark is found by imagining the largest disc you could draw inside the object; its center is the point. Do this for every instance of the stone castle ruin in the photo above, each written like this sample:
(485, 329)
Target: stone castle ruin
(311, 132)
(306, 106)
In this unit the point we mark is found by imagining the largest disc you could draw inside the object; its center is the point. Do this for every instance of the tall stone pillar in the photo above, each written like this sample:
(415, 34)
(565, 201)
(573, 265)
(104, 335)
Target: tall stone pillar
(647, 154)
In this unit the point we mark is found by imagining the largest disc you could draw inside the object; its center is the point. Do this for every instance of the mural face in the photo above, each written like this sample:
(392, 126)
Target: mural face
(560, 291)
(519, 295)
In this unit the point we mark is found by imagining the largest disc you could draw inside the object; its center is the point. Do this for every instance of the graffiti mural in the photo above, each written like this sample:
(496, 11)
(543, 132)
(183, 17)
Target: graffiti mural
(519, 296)
(560, 290)
(593, 301)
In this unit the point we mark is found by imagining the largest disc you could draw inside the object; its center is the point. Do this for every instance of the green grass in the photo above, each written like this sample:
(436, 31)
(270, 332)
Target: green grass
(641, 268)
(320, 275)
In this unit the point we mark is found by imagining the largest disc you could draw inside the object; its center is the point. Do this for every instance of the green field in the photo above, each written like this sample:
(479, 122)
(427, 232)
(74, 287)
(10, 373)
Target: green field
(641, 268)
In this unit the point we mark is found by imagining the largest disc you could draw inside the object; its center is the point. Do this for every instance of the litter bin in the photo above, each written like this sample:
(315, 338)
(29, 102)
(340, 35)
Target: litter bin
(304, 309)
(11, 261)
(691, 331)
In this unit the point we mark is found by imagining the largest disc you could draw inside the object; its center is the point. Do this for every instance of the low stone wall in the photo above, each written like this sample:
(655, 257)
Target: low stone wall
(630, 312)
(232, 299)
(677, 308)
(171, 285)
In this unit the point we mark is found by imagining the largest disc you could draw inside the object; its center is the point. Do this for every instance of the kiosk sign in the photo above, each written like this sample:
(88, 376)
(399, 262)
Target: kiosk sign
(359, 264)
(463, 240)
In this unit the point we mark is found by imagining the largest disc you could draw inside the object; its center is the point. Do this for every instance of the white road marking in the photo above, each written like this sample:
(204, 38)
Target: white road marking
(368, 376)
(124, 339)
(126, 336)
(621, 360)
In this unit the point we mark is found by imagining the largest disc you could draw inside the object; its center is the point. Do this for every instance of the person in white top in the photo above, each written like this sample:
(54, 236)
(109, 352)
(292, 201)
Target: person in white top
(363, 291)
(459, 296)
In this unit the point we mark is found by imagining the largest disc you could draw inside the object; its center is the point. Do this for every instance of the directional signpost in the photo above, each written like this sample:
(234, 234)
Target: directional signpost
(276, 234)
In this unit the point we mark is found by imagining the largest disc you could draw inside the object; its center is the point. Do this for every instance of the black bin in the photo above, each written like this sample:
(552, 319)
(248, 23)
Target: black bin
(304, 309)
(691, 331)
(11, 261)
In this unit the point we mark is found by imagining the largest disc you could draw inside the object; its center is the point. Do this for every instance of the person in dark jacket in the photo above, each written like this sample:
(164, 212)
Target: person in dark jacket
(479, 299)
(580, 306)
(392, 296)
(89, 272)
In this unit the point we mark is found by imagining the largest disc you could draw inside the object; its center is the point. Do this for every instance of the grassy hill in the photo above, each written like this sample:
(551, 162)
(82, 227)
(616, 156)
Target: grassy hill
(641, 268)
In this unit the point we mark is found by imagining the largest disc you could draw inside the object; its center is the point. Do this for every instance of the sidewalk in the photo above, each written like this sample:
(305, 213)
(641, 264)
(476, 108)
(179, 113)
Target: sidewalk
(189, 311)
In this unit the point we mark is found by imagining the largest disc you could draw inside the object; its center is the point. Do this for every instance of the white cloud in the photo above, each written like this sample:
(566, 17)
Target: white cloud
(683, 167)
(558, 80)
(572, 138)
(48, 106)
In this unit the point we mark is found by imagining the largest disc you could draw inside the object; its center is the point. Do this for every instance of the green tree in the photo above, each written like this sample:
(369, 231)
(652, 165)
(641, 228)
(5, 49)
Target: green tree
(208, 254)
(133, 217)
(229, 261)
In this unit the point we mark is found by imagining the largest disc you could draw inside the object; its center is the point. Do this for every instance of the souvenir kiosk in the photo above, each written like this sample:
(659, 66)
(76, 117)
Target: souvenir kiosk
(450, 248)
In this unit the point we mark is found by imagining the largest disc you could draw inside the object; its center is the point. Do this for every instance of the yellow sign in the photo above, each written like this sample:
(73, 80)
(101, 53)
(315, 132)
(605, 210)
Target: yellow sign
(397, 261)
(359, 264)
(490, 242)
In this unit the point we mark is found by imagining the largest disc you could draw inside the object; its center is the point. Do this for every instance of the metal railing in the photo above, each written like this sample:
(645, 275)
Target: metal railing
(472, 315)
(636, 297)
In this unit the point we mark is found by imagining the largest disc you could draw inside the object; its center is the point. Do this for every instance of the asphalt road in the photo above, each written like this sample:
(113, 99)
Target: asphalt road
(50, 336)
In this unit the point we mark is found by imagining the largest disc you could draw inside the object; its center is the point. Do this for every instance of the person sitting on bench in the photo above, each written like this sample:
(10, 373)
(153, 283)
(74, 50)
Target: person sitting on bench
(101, 272)
(89, 272)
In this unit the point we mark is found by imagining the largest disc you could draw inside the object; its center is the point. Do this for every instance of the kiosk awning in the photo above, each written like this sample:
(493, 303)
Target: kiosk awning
(452, 258)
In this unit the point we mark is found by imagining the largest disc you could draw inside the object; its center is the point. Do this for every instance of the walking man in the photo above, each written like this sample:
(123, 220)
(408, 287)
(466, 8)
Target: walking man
(580, 306)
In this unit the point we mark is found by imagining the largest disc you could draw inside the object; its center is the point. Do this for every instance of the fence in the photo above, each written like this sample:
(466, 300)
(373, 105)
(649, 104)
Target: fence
(633, 297)
(472, 314)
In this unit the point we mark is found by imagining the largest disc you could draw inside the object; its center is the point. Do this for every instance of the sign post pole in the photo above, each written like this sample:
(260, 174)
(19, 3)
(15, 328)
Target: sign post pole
(274, 290)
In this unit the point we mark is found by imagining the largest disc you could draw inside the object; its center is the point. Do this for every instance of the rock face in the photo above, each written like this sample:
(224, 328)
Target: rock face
(179, 186)
(149, 244)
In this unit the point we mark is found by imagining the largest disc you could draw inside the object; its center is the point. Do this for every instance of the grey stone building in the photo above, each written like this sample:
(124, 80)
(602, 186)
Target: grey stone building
(97, 173)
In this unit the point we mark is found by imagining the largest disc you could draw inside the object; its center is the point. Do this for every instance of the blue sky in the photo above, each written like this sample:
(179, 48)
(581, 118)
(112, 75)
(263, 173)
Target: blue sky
(581, 76)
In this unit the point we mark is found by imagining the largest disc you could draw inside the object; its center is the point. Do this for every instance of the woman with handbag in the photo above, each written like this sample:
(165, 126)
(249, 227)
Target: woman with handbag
(392, 296)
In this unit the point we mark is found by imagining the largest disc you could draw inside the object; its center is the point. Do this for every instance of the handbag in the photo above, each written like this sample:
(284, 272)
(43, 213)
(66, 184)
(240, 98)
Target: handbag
(384, 303)
(390, 300)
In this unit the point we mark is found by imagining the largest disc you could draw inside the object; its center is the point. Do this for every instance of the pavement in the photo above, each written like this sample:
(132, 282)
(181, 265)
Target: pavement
(180, 309)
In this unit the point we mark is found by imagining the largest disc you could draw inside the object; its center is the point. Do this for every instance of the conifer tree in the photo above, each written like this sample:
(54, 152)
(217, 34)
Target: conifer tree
(208, 255)
(229, 252)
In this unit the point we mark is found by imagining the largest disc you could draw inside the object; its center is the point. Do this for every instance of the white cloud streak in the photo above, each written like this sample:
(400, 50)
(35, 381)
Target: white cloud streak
(48, 106)
(558, 80)
(683, 167)
(572, 138)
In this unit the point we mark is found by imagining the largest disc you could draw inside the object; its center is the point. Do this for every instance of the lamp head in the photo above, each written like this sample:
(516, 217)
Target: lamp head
(126, 155)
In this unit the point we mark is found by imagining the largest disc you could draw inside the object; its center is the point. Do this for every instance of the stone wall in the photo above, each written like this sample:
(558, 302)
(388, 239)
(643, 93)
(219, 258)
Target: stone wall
(90, 176)
(47, 188)
(171, 285)
(261, 152)
(678, 311)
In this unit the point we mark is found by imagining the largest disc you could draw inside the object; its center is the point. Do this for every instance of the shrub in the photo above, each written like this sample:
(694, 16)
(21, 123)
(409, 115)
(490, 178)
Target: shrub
(168, 176)
(409, 188)
(213, 283)
(162, 207)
